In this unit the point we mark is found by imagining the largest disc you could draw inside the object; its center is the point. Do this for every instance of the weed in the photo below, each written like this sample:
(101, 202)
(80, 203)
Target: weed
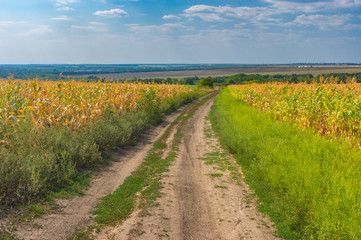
(215, 175)
(4, 235)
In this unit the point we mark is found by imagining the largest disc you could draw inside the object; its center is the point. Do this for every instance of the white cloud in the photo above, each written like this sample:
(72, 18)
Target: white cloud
(264, 14)
(7, 23)
(94, 26)
(293, 7)
(208, 17)
(323, 21)
(346, 3)
(226, 13)
(111, 13)
(97, 23)
(24, 29)
(309, 7)
(351, 27)
(65, 9)
(169, 17)
(61, 3)
(62, 18)
(263, 17)
(165, 28)
(10, 23)
(37, 30)
(241, 12)
(87, 27)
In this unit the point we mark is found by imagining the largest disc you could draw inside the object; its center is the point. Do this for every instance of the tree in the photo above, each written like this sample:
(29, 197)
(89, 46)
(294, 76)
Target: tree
(206, 82)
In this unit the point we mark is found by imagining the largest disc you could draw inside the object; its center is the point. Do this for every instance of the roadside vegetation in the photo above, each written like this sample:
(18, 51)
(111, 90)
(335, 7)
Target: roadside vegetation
(306, 183)
(53, 133)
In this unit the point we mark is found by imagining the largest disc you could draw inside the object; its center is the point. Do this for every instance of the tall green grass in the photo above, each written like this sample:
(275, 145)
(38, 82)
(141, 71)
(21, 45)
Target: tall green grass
(39, 164)
(308, 185)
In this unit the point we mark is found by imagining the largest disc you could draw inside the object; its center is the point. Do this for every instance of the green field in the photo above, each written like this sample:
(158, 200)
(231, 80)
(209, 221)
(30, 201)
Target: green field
(307, 184)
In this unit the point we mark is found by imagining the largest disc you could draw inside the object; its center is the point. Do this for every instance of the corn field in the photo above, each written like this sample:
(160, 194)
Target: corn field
(330, 109)
(73, 104)
(51, 131)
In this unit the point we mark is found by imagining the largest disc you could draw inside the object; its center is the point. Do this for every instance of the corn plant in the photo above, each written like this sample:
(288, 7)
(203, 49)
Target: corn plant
(333, 110)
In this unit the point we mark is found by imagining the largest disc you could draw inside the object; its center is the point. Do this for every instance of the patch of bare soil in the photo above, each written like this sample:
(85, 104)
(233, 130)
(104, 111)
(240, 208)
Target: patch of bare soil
(204, 196)
(75, 213)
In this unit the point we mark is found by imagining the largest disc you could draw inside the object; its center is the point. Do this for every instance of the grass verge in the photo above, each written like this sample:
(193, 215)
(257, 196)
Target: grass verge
(308, 185)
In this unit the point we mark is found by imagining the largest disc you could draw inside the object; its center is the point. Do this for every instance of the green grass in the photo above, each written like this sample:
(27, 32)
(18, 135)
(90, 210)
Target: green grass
(32, 211)
(75, 188)
(85, 233)
(219, 159)
(146, 179)
(308, 185)
(7, 236)
(215, 175)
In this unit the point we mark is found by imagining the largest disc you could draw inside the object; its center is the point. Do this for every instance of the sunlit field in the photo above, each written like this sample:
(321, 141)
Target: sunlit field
(330, 109)
(51, 131)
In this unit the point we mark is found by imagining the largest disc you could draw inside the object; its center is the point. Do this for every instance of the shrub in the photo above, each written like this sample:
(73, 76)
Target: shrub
(206, 82)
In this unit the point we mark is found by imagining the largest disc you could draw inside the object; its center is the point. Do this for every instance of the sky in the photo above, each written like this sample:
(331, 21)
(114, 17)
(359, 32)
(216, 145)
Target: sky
(179, 31)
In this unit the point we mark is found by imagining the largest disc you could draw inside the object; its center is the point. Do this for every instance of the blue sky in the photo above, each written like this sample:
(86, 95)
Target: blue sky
(180, 31)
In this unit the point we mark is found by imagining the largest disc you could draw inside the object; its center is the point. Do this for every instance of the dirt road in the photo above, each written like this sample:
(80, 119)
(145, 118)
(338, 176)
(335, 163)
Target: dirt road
(76, 213)
(203, 197)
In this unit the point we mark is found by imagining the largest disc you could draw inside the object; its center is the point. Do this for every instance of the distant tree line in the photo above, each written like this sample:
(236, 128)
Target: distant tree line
(294, 78)
(185, 81)
(44, 75)
(241, 78)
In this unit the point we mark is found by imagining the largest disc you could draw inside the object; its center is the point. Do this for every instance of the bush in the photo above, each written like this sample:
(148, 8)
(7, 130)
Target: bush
(206, 82)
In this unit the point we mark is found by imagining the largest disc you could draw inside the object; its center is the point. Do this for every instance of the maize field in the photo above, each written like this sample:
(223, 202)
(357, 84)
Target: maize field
(51, 131)
(73, 104)
(332, 110)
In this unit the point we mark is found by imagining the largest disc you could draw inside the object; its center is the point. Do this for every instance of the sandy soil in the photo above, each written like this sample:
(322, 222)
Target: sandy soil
(195, 205)
(76, 213)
